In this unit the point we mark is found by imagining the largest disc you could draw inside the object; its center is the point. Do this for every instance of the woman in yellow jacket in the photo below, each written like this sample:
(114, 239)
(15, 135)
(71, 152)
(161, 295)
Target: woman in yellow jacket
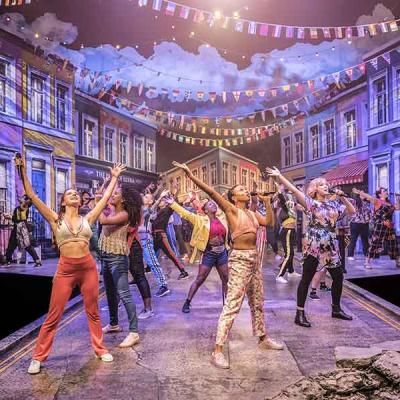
(210, 236)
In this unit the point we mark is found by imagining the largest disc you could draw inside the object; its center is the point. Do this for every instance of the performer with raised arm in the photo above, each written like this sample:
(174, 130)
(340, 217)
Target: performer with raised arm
(76, 265)
(320, 244)
(383, 227)
(245, 276)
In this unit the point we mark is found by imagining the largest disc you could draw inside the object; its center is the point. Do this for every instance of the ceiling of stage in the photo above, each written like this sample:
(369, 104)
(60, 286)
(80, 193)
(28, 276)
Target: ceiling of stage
(229, 59)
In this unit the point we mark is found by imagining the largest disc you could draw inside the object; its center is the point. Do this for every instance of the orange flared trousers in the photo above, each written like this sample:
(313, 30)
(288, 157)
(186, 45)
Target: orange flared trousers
(71, 272)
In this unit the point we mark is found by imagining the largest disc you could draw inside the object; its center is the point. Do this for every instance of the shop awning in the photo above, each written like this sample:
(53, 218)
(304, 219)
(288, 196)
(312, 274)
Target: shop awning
(347, 174)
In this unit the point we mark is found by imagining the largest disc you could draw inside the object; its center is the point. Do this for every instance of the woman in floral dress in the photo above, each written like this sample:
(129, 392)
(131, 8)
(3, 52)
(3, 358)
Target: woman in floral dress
(321, 247)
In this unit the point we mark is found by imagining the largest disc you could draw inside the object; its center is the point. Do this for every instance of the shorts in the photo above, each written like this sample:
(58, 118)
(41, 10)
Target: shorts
(211, 259)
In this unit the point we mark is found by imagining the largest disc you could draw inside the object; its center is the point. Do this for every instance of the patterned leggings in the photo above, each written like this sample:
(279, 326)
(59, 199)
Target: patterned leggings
(380, 234)
(245, 277)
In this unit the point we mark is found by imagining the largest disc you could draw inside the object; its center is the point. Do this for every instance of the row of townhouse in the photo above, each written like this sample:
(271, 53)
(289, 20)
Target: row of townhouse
(68, 138)
(354, 138)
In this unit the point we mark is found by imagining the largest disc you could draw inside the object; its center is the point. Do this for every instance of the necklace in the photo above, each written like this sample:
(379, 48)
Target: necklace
(71, 231)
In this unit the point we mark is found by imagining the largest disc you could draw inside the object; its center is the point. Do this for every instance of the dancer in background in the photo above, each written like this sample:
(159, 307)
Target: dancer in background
(320, 245)
(210, 236)
(245, 276)
(76, 265)
(114, 246)
(383, 230)
(20, 236)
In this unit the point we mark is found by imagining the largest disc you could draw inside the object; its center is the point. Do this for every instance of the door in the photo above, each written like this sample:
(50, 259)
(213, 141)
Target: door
(39, 186)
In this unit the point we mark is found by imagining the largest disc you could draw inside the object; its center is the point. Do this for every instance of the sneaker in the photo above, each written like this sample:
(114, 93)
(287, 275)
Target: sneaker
(219, 361)
(293, 274)
(280, 279)
(313, 295)
(270, 344)
(278, 257)
(163, 291)
(34, 367)
(351, 258)
(144, 314)
(38, 263)
(324, 288)
(130, 340)
(186, 307)
(107, 358)
(367, 265)
(183, 275)
(111, 329)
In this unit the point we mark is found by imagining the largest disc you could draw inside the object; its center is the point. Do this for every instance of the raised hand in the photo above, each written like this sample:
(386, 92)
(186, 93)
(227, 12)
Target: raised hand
(273, 171)
(265, 199)
(169, 199)
(356, 191)
(19, 162)
(117, 170)
(184, 167)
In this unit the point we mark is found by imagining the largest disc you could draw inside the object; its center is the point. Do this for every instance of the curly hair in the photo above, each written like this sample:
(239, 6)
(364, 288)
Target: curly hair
(312, 187)
(378, 191)
(132, 202)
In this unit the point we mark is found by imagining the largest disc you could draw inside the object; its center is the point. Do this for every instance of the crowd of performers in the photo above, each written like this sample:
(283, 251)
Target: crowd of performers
(228, 232)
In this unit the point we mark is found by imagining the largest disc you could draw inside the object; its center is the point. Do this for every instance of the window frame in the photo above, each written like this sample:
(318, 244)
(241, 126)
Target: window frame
(346, 124)
(325, 141)
(295, 144)
(373, 99)
(10, 95)
(311, 142)
(46, 96)
(142, 155)
(151, 167)
(68, 105)
(122, 133)
(95, 136)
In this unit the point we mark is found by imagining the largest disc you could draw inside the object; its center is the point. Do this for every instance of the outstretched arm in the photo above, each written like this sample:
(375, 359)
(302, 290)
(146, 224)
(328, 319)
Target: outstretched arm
(224, 204)
(349, 206)
(301, 198)
(365, 196)
(50, 216)
(94, 214)
(269, 218)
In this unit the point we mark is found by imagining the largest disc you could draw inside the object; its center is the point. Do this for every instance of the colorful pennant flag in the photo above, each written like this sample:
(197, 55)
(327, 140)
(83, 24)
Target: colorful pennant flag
(170, 9)
(263, 30)
(289, 32)
(393, 26)
(300, 33)
(327, 33)
(184, 13)
(157, 4)
(361, 31)
(277, 31)
(314, 33)
(252, 29)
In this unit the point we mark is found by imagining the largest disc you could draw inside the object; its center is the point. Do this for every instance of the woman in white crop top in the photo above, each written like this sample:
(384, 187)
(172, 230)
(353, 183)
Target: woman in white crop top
(245, 276)
(76, 265)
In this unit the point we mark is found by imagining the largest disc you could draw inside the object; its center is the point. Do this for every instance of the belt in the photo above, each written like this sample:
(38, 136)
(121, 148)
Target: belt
(216, 249)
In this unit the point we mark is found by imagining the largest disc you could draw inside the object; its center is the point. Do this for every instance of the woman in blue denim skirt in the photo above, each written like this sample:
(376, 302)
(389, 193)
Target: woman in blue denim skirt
(114, 247)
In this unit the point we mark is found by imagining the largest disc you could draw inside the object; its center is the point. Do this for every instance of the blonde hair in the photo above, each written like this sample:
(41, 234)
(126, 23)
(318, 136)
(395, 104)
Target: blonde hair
(312, 187)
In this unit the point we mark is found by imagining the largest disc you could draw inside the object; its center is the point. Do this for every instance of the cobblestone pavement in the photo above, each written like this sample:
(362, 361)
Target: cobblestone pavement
(172, 359)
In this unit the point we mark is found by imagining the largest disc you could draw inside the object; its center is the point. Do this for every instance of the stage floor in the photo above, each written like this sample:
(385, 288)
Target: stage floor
(172, 360)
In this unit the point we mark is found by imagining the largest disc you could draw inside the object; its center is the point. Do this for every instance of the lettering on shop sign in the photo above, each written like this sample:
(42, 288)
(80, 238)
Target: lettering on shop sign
(123, 178)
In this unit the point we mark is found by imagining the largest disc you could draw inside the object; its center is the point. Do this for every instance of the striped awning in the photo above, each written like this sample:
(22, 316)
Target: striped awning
(347, 174)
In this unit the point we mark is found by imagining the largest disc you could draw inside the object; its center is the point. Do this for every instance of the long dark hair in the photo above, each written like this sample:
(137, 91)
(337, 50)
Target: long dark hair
(230, 193)
(61, 208)
(132, 203)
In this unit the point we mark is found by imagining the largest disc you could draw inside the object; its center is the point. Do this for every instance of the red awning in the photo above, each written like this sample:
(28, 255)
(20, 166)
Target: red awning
(347, 174)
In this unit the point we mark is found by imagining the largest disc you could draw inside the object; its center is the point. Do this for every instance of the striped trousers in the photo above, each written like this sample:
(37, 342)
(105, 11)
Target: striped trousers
(288, 238)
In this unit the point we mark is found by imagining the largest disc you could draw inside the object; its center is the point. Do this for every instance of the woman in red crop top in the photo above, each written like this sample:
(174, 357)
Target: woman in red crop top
(245, 276)
(76, 265)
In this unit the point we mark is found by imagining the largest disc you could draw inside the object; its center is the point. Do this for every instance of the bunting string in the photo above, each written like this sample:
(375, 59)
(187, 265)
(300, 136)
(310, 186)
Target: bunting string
(10, 3)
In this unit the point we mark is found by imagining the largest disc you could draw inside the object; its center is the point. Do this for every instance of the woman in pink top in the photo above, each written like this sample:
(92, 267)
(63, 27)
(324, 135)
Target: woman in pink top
(245, 276)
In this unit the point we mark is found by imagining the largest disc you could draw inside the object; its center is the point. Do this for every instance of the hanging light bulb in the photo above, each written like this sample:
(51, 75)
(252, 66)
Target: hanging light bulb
(317, 54)
(117, 46)
(217, 14)
(236, 14)
(37, 35)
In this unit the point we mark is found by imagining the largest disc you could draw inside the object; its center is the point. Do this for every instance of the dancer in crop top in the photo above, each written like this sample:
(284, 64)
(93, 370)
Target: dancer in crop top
(76, 265)
(245, 276)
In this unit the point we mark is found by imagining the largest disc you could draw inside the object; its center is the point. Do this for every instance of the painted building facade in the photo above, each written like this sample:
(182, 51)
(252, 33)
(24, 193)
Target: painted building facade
(106, 136)
(384, 119)
(220, 168)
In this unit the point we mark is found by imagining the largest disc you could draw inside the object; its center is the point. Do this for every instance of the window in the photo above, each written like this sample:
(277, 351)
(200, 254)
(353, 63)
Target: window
(88, 133)
(4, 82)
(123, 148)
(204, 176)
(178, 181)
(299, 147)
(397, 91)
(382, 176)
(61, 184)
(139, 154)
(252, 180)
(286, 151)
(244, 177)
(195, 173)
(213, 172)
(380, 101)
(3, 186)
(234, 175)
(62, 106)
(351, 129)
(150, 156)
(330, 136)
(314, 131)
(108, 143)
(225, 169)
(188, 184)
(37, 98)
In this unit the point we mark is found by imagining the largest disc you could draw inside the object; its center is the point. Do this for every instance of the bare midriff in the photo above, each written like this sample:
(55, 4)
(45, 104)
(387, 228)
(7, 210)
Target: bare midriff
(74, 249)
(247, 241)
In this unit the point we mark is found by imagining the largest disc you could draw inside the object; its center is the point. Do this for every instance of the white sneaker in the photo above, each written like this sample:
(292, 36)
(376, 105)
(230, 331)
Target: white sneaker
(293, 274)
(367, 265)
(111, 329)
(130, 340)
(144, 314)
(107, 358)
(278, 257)
(34, 367)
(270, 344)
(219, 361)
(280, 279)
(351, 258)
